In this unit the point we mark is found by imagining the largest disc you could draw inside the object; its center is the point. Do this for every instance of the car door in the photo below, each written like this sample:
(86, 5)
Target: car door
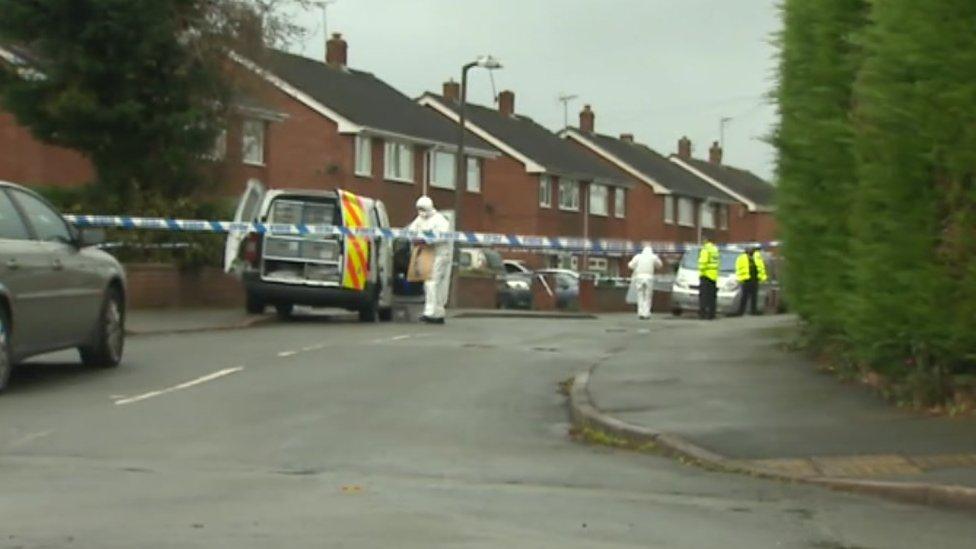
(21, 263)
(72, 289)
(247, 211)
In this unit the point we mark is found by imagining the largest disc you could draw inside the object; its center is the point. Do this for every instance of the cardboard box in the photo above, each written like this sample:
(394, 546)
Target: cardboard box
(421, 263)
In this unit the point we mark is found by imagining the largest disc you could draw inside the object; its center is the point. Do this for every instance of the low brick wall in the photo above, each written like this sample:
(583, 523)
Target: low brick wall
(608, 299)
(477, 292)
(159, 285)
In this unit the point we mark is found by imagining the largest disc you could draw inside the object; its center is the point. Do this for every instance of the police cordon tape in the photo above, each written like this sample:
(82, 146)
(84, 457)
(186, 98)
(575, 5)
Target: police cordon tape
(517, 242)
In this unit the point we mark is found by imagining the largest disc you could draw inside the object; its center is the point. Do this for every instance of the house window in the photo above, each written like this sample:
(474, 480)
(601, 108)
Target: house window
(620, 203)
(474, 175)
(707, 215)
(364, 155)
(668, 209)
(569, 198)
(398, 162)
(723, 217)
(442, 168)
(545, 191)
(219, 150)
(686, 212)
(599, 199)
(252, 142)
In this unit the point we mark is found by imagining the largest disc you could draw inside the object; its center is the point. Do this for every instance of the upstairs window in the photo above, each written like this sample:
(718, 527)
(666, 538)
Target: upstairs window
(707, 215)
(723, 217)
(686, 212)
(569, 198)
(442, 168)
(252, 142)
(398, 162)
(545, 191)
(620, 203)
(364, 155)
(668, 209)
(474, 175)
(599, 199)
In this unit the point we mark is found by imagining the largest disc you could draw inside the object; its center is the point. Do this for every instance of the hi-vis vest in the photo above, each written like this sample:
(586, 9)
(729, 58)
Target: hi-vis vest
(708, 261)
(355, 271)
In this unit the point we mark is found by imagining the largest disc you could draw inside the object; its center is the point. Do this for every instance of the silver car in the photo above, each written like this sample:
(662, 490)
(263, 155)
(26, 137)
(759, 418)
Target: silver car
(56, 290)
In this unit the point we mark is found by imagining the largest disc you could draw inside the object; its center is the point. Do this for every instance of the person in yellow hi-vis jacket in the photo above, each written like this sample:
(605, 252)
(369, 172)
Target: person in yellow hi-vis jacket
(708, 263)
(750, 271)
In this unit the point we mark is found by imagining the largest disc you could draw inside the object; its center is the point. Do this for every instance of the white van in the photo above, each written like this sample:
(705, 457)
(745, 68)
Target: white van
(281, 270)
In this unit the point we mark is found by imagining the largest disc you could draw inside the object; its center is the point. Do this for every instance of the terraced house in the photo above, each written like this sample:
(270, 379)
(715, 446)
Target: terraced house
(667, 203)
(541, 184)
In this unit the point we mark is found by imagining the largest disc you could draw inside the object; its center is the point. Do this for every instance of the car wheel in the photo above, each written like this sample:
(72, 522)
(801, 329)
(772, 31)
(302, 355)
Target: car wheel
(106, 352)
(676, 311)
(369, 313)
(284, 310)
(386, 314)
(6, 365)
(253, 305)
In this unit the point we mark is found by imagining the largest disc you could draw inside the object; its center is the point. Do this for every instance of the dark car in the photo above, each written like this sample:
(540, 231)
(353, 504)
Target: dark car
(566, 287)
(56, 290)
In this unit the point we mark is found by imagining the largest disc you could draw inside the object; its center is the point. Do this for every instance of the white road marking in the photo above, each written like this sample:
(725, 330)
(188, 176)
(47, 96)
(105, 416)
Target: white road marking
(313, 348)
(185, 385)
(284, 354)
(401, 337)
(27, 439)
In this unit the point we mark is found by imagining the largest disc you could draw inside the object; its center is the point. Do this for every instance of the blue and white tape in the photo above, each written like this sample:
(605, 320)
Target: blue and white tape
(512, 241)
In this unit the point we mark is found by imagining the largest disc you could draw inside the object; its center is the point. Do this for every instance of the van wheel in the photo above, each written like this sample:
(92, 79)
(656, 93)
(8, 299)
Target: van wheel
(253, 305)
(106, 352)
(5, 363)
(386, 314)
(676, 311)
(284, 310)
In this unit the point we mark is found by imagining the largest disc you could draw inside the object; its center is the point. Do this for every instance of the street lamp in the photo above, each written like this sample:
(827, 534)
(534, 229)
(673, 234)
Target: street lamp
(461, 181)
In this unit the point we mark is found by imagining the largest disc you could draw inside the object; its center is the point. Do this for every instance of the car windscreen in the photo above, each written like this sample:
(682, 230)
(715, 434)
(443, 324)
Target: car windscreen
(309, 212)
(726, 257)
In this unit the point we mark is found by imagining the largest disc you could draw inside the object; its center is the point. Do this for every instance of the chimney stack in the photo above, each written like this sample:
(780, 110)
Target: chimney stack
(628, 137)
(715, 154)
(335, 50)
(506, 103)
(452, 91)
(684, 148)
(587, 120)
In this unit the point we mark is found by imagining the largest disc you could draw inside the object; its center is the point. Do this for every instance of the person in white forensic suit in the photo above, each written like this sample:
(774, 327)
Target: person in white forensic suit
(642, 268)
(438, 283)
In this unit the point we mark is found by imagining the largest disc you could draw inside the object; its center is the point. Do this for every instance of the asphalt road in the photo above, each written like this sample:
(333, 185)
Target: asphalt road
(332, 434)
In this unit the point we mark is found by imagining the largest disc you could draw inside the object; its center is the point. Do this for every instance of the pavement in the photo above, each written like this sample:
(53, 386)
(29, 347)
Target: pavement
(329, 433)
(728, 394)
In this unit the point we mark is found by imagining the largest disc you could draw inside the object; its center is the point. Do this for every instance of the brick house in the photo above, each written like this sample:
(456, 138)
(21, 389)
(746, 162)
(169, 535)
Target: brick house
(541, 184)
(325, 125)
(667, 203)
(26, 160)
(753, 217)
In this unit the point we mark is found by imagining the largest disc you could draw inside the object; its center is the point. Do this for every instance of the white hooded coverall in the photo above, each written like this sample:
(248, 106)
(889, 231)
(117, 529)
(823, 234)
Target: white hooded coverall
(438, 283)
(642, 268)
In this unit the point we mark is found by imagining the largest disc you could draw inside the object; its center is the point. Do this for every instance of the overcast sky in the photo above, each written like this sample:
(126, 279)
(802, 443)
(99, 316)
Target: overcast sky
(658, 69)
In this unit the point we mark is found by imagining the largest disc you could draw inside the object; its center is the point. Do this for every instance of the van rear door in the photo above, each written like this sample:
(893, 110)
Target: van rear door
(247, 211)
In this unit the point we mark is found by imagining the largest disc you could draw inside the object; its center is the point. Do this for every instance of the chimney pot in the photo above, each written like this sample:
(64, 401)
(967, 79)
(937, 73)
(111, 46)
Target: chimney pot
(715, 154)
(587, 119)
(684, 148)
(628, 137)
(336, 50)
(506, 103)
(452, 91)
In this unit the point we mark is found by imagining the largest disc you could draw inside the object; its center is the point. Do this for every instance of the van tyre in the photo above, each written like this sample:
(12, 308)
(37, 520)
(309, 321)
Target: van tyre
(109, 342)
(284, 310)
(253, 305)
(6, 364)
(386, 314)
(676, 311)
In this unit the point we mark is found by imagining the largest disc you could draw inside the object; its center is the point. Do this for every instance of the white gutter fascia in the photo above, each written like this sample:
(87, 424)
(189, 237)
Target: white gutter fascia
(658, 188)
(345, 125)
(531, 166)
(753, 207)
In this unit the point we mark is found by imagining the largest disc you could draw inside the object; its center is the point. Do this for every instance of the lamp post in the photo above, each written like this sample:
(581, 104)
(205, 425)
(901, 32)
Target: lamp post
(461, 180)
